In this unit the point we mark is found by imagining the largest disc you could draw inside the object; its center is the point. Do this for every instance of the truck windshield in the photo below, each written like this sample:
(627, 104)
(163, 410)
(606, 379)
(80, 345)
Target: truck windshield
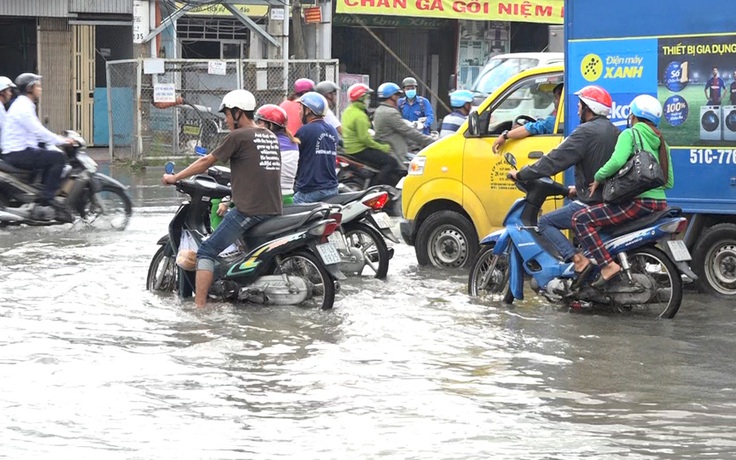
(497, 71)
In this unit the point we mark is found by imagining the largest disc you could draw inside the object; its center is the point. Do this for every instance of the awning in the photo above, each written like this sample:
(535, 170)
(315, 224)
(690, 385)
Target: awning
(540, 11)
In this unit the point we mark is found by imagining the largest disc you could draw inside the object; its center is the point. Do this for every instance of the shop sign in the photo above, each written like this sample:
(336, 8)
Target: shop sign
(215, 9)
(390, 21)
(313, 15)
(540, 11)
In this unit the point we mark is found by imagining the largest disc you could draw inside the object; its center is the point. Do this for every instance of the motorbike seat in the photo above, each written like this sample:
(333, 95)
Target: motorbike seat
(285, 223)
(638, 224)
(8, 168)
(291, 209)
(355, 163)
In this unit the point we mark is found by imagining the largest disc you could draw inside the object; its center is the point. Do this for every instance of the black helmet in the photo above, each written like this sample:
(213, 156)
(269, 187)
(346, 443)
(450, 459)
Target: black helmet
(326, 87)
(25, 81)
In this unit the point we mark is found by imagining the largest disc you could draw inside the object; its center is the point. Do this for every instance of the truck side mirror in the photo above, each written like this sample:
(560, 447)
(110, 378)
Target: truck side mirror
(474, 124)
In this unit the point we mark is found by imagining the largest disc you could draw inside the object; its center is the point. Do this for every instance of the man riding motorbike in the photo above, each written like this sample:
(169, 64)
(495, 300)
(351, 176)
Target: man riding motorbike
(6, 93)
(21, 135)
(391, 128)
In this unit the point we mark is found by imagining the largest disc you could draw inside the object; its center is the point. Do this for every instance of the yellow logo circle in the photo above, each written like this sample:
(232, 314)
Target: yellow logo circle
(591, 67)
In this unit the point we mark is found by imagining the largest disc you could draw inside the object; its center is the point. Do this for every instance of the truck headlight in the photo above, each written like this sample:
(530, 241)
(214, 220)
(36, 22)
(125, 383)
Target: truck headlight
(416, 167)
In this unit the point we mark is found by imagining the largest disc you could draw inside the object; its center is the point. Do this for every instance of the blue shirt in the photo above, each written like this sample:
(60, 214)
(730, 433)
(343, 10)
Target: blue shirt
(452, 122)
(545, 126)
(414, 110)
(317, 157)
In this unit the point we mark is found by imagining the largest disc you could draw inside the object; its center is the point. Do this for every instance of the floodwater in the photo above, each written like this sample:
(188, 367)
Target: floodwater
(92, 365)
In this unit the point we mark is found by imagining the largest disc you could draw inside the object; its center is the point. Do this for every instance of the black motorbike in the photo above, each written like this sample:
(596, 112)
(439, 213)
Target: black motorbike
(285, 260)
(97, 199)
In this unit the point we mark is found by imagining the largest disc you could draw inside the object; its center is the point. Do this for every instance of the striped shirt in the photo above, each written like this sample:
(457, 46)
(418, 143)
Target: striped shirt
(452, 123)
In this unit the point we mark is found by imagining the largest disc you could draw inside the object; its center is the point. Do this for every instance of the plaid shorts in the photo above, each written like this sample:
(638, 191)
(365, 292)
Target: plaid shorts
(586, 222)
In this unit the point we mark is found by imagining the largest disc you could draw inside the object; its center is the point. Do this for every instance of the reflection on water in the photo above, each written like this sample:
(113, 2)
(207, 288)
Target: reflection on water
(409, 368)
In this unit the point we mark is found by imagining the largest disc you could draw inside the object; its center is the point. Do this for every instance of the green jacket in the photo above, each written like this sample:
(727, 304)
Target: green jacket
(355, 126)
(625, 148)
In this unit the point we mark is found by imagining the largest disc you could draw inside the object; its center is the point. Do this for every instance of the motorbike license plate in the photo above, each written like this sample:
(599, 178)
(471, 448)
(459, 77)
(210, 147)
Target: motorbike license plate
(382, 219)
(338, 239)
(679, 250)
(328, 253)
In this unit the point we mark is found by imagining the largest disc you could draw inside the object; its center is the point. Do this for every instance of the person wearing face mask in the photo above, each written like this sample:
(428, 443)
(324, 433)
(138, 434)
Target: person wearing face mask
(391, 128)
(413, 107)
(359, 144)
(316, 178)
(255, 162)
(588, 148)
(329, 90)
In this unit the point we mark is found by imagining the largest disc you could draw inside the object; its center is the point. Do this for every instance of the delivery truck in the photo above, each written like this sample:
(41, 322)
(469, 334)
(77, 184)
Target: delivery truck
(456, 190)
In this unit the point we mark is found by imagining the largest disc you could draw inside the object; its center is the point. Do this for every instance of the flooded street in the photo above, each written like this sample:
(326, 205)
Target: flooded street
(93, 365)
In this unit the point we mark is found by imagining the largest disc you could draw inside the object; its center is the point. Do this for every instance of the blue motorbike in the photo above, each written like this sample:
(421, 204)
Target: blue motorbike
(651, 257)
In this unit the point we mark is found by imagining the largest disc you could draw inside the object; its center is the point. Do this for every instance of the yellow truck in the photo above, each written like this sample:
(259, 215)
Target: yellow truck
(456, 189)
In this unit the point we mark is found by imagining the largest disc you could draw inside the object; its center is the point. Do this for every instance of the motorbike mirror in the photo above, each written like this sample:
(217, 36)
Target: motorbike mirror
(474, 124)
(510, 159)
(169, 167)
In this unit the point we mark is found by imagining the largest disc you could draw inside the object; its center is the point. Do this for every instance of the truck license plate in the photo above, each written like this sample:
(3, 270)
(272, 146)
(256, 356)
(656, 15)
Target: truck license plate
(381, 219)
(328, 253)
(338, 239)
(679, 250)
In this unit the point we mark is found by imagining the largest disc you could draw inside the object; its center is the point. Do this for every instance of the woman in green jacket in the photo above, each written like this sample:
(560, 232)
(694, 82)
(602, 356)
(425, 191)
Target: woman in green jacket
(646, 111)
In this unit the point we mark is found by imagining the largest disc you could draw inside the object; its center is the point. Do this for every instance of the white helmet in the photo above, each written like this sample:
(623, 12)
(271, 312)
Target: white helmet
(239, 99)
(6, 83)
(646, 107)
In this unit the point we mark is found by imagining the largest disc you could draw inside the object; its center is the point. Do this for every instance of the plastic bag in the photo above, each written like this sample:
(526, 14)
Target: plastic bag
(186, 258)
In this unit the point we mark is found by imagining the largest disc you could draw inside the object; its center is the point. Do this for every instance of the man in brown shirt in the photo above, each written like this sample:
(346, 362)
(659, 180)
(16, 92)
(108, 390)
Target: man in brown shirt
(255, 163)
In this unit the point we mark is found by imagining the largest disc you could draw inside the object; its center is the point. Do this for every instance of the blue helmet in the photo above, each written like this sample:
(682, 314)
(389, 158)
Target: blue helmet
(388, 89)
(647, 107)
(314, 102)
(460, 98)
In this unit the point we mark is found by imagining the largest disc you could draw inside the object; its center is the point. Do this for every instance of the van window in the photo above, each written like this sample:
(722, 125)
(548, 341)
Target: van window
(531, 97)
(498, 70)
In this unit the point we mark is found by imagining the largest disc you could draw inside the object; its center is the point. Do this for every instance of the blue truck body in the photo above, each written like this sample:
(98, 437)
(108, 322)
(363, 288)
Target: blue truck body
(672, 51)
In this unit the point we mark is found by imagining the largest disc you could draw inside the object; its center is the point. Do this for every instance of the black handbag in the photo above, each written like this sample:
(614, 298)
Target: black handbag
(639, 174)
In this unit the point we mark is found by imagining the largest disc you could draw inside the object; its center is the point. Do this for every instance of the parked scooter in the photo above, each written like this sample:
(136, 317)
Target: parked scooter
(286, 260)
(651, 258)
(99, 200)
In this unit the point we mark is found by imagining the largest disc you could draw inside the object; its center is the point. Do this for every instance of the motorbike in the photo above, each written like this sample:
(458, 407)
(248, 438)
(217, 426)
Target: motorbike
(285, 260)
(360, 239)
(99, 200)
(652, 259)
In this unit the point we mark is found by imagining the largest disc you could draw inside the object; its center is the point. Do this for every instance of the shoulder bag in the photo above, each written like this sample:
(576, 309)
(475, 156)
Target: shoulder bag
(639, 174)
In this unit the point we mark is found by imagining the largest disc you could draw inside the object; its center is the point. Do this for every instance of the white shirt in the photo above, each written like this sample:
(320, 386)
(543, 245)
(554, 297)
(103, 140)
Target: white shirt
(289, 164)
(2, 116)
(331, 119)
(22, 128)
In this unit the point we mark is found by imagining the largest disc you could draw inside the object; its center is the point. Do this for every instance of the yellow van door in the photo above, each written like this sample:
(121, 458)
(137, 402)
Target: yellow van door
(487, 190)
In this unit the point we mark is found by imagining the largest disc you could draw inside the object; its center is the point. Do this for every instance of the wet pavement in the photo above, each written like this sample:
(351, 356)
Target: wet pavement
(93, 365)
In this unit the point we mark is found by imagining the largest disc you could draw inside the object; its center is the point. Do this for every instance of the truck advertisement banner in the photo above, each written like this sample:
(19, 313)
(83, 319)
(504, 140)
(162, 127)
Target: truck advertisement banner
(540, 11)
(693, 77)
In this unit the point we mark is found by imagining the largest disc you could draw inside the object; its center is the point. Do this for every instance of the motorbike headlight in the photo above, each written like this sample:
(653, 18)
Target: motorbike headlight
(88, 163)
(416, 166)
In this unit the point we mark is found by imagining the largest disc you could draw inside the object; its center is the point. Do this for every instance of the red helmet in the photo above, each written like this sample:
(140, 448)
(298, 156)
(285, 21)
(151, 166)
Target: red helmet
(271, 114)
(597, 99)
(357, 91)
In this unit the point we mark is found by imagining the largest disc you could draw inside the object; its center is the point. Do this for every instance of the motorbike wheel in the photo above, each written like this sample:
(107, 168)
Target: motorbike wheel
(306, 265)
(489, 277)
(110, 208)
(373, 246)
(663, 273)
(162, 273)
(714, 261)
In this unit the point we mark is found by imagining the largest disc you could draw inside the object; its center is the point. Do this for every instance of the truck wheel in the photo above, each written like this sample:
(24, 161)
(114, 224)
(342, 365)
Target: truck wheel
(714, 261)
(446, 239)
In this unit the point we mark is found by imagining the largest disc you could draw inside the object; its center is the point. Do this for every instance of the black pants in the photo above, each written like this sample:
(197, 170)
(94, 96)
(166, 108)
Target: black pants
(387, 167)
(48, 162)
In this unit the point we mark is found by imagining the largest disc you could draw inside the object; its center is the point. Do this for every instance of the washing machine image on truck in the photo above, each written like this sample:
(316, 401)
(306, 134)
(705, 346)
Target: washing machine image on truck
(728, 115)
(711, 127)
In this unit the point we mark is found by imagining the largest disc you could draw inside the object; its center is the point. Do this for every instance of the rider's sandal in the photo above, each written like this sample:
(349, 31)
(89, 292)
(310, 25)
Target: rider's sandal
(581, 276)
(600, 281)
